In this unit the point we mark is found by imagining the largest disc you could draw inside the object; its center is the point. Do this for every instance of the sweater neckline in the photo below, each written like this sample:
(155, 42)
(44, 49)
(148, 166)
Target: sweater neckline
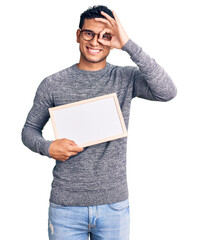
(98, 72)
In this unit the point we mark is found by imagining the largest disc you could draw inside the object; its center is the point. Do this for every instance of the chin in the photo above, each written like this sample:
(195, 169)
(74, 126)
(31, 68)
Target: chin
(96, 61)
(92, 60)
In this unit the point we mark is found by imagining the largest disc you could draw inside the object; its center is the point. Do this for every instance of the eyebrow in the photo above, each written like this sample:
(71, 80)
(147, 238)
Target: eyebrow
(93, 31)
(88, 30)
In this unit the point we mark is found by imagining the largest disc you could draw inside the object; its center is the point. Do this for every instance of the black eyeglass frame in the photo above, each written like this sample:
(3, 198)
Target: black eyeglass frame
(87, 30)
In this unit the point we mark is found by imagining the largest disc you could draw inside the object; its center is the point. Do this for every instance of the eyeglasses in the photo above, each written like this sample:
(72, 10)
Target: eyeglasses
(88, 35)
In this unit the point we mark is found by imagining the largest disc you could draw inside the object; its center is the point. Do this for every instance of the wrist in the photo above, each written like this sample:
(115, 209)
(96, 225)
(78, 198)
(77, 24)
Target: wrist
(124, 40)
(49, 149)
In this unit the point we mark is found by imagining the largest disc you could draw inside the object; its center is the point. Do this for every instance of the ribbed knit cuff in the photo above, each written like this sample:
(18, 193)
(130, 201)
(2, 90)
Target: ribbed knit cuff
(46, 148)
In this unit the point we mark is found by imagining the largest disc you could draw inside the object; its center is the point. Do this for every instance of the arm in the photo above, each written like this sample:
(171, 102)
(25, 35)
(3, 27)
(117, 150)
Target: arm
(38, 116)
(150, 81)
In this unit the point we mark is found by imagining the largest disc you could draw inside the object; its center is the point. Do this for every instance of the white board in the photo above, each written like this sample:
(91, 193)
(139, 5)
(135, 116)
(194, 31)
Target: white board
(90, 121)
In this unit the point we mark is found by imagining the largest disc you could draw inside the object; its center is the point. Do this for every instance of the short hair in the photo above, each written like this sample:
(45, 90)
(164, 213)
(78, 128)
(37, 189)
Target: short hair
(94, 12)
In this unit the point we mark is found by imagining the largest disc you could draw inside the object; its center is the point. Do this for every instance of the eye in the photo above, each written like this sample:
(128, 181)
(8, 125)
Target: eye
(89, 34)
(107, 36)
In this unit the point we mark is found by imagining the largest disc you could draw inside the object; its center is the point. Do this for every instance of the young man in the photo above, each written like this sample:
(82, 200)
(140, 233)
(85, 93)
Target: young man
(89, 190)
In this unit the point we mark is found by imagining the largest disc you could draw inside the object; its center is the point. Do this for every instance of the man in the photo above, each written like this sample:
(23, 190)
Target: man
(89, 192)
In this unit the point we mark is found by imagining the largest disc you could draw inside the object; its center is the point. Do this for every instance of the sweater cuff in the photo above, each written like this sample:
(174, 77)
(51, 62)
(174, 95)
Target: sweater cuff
(131, 48)
(46, 148)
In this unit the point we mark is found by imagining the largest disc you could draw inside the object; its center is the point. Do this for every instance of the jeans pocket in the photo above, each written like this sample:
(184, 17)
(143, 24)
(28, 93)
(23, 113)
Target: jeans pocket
(119, 206)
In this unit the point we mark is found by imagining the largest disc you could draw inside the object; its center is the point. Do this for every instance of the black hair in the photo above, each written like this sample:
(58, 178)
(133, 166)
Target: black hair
(94, 12)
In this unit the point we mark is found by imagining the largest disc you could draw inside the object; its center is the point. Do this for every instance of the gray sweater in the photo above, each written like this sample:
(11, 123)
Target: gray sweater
(96, 175)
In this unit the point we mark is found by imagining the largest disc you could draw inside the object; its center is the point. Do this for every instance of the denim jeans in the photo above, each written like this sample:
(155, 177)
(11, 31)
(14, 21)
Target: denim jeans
(109, 221)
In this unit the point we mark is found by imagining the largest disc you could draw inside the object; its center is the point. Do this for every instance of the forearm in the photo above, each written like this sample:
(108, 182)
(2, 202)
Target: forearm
(34, 140)
(160, 85)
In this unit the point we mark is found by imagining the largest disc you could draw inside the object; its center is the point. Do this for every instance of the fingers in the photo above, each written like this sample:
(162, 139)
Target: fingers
(69, 154)
(62, 149)
(112, 28)
(104, 21)
(101, 39)
(115, 16)
(70, 142)
(111, 20)
(104, 42)
(71, 151)
(105, 30)
(71, 146)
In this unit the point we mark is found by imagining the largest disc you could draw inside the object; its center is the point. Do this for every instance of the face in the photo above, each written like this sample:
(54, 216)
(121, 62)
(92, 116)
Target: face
(92, 51)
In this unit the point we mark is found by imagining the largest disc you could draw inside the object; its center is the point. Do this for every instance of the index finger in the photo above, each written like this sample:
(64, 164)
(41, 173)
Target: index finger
(115, 16)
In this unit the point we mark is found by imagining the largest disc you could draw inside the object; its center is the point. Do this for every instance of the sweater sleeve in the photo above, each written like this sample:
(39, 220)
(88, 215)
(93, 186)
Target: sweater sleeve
(150, 81)
(37, 118)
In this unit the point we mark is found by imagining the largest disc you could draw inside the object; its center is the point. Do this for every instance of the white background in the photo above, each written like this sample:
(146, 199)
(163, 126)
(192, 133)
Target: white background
(38, 38)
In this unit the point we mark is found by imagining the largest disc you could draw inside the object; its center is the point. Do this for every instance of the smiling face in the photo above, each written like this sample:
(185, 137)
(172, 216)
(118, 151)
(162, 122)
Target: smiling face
(93, 53)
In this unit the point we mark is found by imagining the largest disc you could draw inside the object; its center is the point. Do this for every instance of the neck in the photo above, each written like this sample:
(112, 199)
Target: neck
(91, 66)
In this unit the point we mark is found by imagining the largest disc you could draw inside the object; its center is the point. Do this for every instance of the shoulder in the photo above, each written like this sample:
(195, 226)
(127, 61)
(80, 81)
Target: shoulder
(56, 78)
(123, 70)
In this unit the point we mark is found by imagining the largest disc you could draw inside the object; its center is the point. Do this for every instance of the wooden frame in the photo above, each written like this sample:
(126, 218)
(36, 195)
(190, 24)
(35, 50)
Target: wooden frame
(89, 121)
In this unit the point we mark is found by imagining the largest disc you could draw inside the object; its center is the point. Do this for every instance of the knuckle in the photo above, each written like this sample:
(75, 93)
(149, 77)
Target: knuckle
(68, 155)
(69, 147)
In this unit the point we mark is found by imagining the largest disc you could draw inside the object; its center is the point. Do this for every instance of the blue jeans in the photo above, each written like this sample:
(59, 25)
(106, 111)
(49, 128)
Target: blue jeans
(109, 221)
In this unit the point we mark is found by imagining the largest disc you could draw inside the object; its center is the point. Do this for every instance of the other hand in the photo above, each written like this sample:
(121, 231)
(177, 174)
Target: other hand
(62, 149)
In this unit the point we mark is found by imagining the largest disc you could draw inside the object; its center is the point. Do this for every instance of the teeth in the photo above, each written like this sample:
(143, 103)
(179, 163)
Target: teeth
(94, 50)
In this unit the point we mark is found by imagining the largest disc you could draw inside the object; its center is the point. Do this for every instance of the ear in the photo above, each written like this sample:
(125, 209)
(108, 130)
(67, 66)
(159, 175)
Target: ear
(78, 36)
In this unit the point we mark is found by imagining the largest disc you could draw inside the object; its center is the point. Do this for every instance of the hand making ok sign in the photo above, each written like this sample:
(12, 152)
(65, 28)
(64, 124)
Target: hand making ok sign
(114, 27)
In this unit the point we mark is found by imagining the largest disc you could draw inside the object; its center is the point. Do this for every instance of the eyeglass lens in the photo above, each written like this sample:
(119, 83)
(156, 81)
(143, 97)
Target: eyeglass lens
(89, 35)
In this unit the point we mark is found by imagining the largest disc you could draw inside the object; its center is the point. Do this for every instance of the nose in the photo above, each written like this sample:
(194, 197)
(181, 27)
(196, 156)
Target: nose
(94, 41)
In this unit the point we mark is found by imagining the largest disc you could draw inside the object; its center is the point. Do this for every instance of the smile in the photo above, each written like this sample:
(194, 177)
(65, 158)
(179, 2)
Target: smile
(93, 51)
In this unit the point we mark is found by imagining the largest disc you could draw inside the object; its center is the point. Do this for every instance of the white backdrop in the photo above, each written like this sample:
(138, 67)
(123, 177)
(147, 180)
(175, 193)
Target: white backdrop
(38, 38)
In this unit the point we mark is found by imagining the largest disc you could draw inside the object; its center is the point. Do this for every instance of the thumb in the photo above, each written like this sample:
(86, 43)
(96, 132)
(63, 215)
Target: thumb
(104, 42)
(77, 148)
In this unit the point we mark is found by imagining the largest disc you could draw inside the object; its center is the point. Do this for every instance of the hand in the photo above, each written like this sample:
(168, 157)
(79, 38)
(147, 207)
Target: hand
(62, 149)
(114, 27)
